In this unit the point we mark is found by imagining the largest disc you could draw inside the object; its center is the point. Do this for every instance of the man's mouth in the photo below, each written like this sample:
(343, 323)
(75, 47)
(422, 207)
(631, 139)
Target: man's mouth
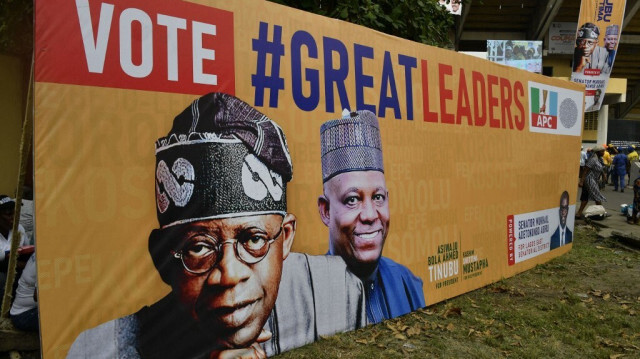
(368, 240)
(368, 235)
(234, 315)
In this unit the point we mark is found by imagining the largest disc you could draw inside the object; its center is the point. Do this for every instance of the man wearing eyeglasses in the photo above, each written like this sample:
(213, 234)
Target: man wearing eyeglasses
(563, 234)
(224, 235)
(587, 53)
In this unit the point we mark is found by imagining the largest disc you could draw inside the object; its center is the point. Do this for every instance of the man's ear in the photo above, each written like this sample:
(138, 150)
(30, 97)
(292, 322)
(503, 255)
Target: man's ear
(288, 232)
(323, 209)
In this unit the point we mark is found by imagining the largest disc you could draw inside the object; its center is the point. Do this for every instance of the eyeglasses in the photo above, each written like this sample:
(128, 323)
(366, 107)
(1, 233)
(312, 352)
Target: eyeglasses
(203, 252)
(586, 42)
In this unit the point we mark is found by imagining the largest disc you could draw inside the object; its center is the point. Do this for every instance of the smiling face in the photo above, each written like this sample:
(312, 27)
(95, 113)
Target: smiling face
(610, 42)
(232, 301)
(355, 207)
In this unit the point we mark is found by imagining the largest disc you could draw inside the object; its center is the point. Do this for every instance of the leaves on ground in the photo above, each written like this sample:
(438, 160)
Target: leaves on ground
(582, 304)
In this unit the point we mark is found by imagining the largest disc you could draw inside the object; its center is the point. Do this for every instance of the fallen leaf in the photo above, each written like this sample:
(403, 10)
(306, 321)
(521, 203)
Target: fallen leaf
(400, 336)
(470, 331)
(450, 327)
(632, 312)
(606, 296)
(517, 337)
(390, 326)
(597, 293)
(599, 247)
(402, 328)
(452, 311)
(413, 331)
(473, 305)
(615, 356)
(624, 306)
(362, 341)
(431, 312)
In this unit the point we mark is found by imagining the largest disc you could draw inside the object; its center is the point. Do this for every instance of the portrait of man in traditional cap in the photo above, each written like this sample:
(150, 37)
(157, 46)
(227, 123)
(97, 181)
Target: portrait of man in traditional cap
(562, 234)
(355, 207)
(587, 53)
(611, 44)
(224, 247)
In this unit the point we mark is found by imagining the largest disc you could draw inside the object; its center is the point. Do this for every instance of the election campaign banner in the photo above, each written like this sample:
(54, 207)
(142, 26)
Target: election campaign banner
(597, 38)
(562, 37)
(197, 161)
(525, 55)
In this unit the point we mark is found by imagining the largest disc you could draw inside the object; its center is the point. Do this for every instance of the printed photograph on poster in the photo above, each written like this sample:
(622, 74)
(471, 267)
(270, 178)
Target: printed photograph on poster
(454, 6)
(597, 38)
(223, 246)
(355, 207)
(525, 55)
(532, 234)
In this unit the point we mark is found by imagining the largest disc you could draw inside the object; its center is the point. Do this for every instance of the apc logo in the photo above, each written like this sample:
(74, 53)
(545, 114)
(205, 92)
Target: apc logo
(544, 108)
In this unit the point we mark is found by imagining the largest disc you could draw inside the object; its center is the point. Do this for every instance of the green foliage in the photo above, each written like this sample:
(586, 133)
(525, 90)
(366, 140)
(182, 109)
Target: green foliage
(417, 20)
(16, 27)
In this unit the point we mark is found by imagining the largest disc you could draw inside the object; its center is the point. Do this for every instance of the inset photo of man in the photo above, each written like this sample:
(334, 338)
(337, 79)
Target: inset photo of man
(355, 207)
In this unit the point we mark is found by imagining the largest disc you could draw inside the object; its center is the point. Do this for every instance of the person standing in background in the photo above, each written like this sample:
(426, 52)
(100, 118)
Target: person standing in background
(619, 170)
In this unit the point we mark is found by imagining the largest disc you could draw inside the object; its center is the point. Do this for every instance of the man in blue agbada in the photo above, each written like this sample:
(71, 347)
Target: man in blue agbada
(355, 207)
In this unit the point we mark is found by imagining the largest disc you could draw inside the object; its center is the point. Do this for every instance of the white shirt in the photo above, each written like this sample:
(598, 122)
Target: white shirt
(26, 287)
(26, 219)
(5, 243)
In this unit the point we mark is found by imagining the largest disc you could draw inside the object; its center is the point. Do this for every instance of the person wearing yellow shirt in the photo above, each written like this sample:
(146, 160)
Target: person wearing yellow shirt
(631, 157)
(607, 160)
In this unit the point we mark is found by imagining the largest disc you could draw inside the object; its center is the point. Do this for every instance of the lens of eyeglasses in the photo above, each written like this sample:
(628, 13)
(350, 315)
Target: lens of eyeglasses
(199, 255)
(253, 249)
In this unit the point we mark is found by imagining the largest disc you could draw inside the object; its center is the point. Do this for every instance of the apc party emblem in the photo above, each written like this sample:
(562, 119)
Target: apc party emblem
(555, 110)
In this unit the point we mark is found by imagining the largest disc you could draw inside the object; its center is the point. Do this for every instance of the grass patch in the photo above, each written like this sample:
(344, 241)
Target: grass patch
(583, 304)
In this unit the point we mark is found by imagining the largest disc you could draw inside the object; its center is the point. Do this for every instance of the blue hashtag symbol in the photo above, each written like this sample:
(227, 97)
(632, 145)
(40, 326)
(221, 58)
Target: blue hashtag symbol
(260, 80)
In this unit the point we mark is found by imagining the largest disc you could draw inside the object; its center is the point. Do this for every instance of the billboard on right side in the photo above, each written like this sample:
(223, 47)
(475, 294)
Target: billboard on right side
(597, 37)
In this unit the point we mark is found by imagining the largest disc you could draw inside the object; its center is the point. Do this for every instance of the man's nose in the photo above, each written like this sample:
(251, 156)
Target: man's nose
(369, 212)
(230, 270)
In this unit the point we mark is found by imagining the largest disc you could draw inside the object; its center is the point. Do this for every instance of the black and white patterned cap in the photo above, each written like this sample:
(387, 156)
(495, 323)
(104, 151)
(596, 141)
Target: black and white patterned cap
(351, 143)
(222, 158)
(588, 31)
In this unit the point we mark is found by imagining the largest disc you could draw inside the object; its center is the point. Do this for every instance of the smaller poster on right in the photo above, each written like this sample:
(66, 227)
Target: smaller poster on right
(597, 38)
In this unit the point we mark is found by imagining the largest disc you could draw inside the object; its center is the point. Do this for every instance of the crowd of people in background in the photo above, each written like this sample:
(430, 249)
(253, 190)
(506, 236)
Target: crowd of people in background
(24, 308)
(605, 165)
